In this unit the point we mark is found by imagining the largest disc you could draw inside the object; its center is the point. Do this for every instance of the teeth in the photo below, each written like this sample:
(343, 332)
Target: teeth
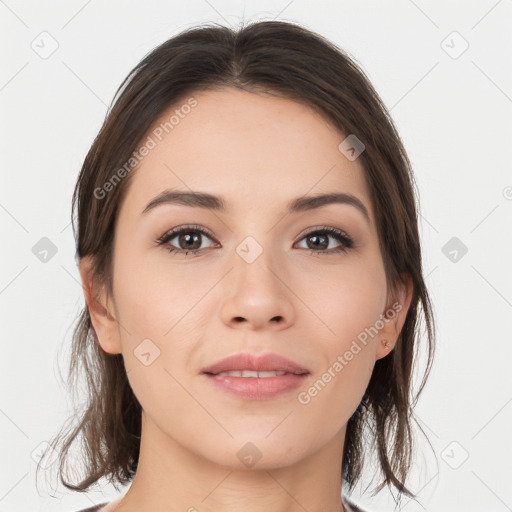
(248, 373)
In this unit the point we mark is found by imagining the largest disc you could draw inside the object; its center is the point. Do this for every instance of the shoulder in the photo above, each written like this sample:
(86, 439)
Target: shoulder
(96, 508)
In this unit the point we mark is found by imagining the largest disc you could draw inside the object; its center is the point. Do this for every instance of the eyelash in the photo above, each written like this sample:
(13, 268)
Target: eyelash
(340, 236)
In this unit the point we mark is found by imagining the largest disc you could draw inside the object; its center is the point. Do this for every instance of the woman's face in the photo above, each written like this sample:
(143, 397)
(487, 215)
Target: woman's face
(266, 279)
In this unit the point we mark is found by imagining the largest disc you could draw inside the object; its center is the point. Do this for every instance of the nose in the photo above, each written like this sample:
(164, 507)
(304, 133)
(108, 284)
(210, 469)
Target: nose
(256, 295)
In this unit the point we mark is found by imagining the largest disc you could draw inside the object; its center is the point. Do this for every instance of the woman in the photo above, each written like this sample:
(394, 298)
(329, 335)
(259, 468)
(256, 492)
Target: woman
(249, 251)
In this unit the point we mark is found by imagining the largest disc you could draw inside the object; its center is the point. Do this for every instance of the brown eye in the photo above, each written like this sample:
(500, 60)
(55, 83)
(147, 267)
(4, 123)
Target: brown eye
(317, 241)
(188, 240)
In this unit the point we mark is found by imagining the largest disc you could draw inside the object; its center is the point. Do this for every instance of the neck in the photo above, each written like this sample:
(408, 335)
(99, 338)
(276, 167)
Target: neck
(171, 476)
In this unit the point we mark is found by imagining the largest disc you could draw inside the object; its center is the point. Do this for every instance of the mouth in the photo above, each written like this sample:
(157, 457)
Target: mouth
(251, 374)
(246, 362)
(256, 377)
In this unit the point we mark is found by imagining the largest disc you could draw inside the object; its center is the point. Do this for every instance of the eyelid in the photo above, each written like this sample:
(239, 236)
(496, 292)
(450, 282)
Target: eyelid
(347, 242)
(321, 227)
(191, 227)
(344, 239)
(202, 229)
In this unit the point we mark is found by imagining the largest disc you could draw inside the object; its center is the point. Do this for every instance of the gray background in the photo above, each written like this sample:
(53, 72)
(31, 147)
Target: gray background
(452, 106)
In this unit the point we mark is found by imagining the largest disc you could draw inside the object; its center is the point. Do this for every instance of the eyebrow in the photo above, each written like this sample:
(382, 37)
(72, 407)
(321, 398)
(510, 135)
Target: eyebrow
(215, 203)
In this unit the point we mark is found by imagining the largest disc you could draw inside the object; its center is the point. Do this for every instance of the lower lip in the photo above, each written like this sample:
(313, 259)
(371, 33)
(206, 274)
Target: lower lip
(257, 388)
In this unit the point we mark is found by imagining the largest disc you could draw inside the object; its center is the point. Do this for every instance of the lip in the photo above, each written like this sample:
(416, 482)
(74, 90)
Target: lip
(256, 388)
(265, 362)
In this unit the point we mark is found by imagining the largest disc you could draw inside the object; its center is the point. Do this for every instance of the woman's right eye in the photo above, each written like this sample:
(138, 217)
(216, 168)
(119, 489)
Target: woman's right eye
(188, 236)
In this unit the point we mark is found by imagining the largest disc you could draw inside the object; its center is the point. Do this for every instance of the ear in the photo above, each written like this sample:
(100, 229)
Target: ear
(396, 312)
(104, 323)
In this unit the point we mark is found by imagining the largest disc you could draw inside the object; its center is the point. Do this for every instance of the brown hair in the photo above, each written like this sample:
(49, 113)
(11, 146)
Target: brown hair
(279, 58)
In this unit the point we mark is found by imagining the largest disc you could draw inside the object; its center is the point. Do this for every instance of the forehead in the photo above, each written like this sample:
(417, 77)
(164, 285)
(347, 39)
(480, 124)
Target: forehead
(252, 149)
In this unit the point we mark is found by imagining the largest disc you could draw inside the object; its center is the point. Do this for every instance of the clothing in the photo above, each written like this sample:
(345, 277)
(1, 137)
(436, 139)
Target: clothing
(349, 506)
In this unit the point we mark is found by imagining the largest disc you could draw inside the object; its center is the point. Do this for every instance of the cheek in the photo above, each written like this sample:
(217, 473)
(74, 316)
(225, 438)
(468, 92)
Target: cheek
(157, 333)
(334, 395)
(346, 299)
(335, 391)
(347, 304)
(162, 320)
(155, 298)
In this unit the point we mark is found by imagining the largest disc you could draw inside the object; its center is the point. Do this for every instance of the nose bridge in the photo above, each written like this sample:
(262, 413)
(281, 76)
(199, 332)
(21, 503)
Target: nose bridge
(255, 262)
(256, 292)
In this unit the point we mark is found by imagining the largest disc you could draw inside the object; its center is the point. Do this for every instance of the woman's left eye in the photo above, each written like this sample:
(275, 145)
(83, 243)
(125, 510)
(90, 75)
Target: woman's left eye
(321, 239)
(189, 237)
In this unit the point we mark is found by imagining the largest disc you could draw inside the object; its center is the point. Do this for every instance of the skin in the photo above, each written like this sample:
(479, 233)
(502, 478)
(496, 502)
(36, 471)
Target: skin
(258, 152)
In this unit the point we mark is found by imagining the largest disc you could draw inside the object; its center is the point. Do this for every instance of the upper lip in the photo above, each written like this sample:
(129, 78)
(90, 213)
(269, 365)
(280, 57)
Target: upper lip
(265, 362)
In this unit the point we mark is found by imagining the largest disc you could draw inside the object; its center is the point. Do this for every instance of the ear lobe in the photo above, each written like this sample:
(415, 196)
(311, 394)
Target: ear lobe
(104, 324)
(396, 312)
